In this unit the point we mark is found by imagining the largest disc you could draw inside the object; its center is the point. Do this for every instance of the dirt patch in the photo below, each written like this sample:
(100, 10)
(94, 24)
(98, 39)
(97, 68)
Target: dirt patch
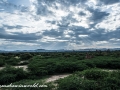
(22, 66)
(1, 68)
(56, 77)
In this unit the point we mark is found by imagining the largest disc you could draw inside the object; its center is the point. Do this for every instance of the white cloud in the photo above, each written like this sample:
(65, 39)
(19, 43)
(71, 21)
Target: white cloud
(114, 39)
(101, 42)
(112, 22)
(59, 18)
(92, 3)
(83, 36)
(50, 39)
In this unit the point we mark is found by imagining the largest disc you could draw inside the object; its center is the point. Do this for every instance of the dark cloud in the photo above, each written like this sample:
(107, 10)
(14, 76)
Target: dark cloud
(72, 2)
(96, 35)
(2, 30)
(97, 15)
(52, 33)
(19, 36)
(24, 9)
(78, 30)
(66, 21)
(65, 24)
(63, 1)
(13, 27)
(77, 1)
(107, 2)
(43, 10)
(59, 33)
(43, 5)
(113, 34)
(100, 35)
(82, 13)
(52, 22)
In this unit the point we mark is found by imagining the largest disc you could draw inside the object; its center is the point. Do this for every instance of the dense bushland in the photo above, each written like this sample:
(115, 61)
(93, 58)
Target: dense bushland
(48, 63)
(92, 79)
(40, 65)
(10, 74)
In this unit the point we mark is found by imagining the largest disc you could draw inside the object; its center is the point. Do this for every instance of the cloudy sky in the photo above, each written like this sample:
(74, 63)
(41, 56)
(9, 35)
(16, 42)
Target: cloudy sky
(59, 24)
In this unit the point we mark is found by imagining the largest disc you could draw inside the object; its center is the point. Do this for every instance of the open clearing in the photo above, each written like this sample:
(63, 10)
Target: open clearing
(56, 77)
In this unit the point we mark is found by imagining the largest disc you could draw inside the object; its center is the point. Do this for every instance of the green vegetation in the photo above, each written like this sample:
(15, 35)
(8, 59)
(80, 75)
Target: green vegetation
(81, 64)
(92, 79)
(10, 74)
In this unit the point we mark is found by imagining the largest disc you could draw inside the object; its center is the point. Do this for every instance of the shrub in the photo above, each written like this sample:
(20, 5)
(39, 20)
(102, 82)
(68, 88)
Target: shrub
(10, 74)
(7, 78)
(12, 61)
(2, 62)
(69, 83)
(93, 79)
(111, 83)
(95, 74)
(25, 56)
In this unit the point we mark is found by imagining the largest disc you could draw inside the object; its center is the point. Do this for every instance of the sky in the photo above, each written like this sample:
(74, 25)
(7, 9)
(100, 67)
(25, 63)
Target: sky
(59, 24)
